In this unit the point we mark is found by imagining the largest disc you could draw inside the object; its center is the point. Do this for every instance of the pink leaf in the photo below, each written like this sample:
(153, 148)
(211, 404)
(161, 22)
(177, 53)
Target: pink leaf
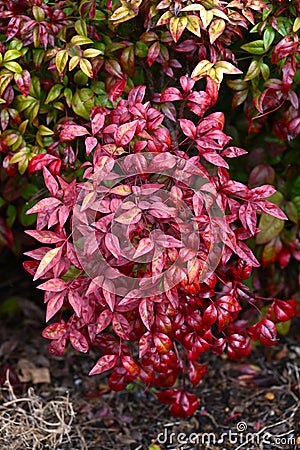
(75, 301)
(170, 95)
(146, 311)
(71, 132)
(233, 152)
(54, 305)
(269, 208)
(188, 128)
(90, 144)
(49, 260)
(124, 133)
(53, 285)
(145, 246)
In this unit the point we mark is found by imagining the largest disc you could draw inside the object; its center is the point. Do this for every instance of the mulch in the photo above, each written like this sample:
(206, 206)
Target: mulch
(49, 402)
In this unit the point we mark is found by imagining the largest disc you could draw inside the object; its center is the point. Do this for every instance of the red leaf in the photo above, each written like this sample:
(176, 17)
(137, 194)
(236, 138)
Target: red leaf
(6, 236)
(113, 245)
(215, 159)
(145, 344)
(131, 216)
(130, 365)
(162, 342)
(145, 246)
(50, 182)
(54, 305)
(186, 405)
(196, 372)
(79, 341)
(265, 331)
(55, 330)
(38, 162)
(153, 53)
(71, 132)
(44, 205)
(117, 90)
(23, 81)
(121, 326)
(106, 362)
(282, 310)
(104, 320)
(162, 162)
(75, 301)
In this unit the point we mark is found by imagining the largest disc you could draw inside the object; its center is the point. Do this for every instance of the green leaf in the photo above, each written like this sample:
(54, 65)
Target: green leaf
(141, 49)
(283, 328)
(265, 71)
(54, 93)
(27, 220)
(11, 214)
(270, 227)
(268, 37)
(254, 47)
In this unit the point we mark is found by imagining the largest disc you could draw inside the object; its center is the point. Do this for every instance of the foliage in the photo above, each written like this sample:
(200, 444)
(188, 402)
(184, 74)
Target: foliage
(145, 181)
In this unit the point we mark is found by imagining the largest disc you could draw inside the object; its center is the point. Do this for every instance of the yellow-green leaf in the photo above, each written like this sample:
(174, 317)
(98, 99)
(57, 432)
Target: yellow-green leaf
(216, 29)
(296, 25)
(193, 25)
(206, 17)
(13, 66)
(45, 131)
(80, 27)
(92, 53)
(122, 14)
(202, 69)
(10, 55)
(73, 62)
(177, 26)
(86, 67)
(80, 40)
(253, 71)
(61, 60)
(165, 18)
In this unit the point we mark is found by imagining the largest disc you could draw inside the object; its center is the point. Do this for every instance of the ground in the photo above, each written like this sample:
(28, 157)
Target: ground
(50, 402)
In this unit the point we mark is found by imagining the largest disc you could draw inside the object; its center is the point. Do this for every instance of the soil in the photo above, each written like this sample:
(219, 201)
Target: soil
(49, 402)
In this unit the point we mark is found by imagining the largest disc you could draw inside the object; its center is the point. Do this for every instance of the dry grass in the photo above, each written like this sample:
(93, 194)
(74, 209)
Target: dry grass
(29, 422)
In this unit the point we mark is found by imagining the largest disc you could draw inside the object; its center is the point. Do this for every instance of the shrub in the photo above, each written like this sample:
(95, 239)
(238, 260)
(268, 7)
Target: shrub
(148, 227)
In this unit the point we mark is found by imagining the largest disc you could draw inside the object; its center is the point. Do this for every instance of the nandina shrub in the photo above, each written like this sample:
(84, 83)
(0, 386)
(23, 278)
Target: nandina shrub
(138, 257)
(148, 220)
